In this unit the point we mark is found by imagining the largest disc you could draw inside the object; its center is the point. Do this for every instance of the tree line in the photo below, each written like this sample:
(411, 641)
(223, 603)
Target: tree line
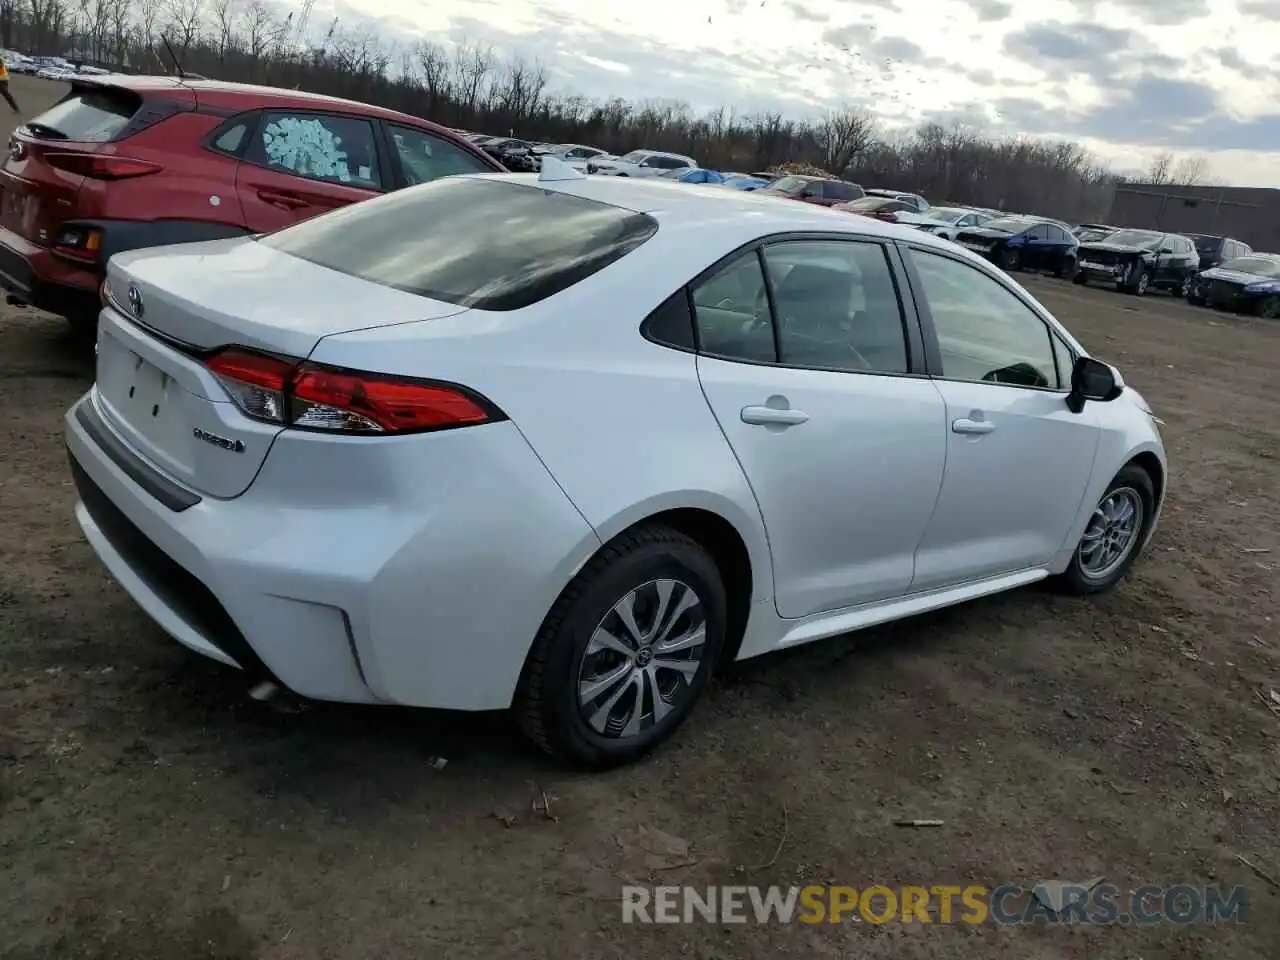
(471, 86)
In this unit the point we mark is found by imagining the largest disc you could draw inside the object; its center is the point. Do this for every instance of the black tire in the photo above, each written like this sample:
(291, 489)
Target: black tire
(1080, 278)
(546, 702)
(1067, 268)
(1075, 579)
(1010, 260)
(1195, 299)
(1269, 309)
(1184, 290)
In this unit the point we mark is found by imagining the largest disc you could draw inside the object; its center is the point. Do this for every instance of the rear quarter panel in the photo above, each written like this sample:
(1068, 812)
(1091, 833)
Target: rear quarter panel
(620, 422)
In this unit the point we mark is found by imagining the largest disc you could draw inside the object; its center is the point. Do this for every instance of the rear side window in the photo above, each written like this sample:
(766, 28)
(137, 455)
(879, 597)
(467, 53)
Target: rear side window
(318, 147)
(96, 115)
(487, 244)
(424, 158)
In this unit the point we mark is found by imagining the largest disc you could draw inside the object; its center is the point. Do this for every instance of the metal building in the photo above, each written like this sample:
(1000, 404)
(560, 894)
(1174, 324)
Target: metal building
(1251, 214)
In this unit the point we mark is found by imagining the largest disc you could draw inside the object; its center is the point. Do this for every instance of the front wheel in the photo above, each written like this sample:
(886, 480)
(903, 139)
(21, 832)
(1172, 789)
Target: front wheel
(1081, 278)
(1066, 268)
(1010, 259)
(1114, 534)
(1269, 309)
(626, 650)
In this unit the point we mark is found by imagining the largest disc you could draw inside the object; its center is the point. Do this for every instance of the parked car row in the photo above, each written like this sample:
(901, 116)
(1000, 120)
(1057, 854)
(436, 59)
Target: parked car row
(48, 68)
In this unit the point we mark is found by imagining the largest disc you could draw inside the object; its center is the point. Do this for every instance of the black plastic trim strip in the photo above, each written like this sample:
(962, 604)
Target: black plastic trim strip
(174, 497)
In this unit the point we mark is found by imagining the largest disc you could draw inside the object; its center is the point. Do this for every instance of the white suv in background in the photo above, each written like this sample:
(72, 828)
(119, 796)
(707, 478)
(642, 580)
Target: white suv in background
(573, 154)
(641, 163)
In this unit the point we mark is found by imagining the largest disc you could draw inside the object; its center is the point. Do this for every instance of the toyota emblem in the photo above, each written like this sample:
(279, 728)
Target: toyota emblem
(135, 301)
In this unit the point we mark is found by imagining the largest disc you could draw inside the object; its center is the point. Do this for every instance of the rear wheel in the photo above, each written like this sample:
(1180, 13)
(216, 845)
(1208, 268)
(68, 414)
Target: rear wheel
(1065, 268)
(1114, 534)
(626, 650)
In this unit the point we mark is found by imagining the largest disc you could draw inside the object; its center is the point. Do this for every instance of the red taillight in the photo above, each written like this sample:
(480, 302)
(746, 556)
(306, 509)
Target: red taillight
(100, 167)
(311, 396)
(257, 382)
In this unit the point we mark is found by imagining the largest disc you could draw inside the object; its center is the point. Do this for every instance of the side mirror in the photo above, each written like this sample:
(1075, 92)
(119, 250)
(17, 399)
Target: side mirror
(1092, 380)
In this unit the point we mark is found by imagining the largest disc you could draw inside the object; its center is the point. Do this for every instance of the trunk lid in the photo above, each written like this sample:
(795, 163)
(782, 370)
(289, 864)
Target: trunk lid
(171, 306)
(37, 195)
(239, 292)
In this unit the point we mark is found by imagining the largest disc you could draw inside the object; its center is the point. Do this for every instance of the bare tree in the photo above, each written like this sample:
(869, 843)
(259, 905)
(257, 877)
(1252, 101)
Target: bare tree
(260, 29)
(1160, 170)
(844, 135)
(472, 65)
(1191, 171)
(185, 18)
(226, 13)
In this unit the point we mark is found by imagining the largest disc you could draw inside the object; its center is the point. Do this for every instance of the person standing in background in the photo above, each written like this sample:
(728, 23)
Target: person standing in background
(4, 86)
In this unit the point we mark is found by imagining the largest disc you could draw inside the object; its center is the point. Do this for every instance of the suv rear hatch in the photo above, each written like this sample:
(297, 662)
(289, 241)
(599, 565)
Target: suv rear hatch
(50, 156)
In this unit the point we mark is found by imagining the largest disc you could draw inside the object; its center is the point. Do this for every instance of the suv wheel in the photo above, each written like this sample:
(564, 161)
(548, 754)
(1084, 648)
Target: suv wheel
(626, 650)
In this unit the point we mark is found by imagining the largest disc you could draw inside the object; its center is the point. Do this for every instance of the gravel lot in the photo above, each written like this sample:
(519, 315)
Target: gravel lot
(149, 809)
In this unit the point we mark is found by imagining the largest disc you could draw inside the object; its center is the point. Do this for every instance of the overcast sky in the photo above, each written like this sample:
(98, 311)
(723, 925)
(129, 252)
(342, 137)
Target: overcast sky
(1127, 78)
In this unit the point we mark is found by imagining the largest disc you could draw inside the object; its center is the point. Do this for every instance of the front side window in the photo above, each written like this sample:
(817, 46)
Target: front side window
(318, 147)
(487, 244)
(424, 158)
(985, 333)
(836, 306)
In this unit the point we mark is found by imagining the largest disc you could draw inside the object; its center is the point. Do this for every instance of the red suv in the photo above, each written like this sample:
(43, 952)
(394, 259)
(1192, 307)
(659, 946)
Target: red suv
(128, 162)
(823, 192)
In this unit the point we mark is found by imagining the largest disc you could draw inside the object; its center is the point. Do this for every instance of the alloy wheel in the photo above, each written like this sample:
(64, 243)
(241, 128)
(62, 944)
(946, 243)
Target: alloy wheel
(1112, 533)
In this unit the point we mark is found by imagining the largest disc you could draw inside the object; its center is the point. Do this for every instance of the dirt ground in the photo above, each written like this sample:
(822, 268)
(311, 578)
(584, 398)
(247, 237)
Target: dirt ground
(149, 809)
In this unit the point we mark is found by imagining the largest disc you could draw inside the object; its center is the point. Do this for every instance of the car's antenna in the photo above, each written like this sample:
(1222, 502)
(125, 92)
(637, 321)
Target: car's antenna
(177, 65)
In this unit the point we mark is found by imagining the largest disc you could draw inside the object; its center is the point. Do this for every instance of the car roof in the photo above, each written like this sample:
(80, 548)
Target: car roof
(736, 216)
(264, 96)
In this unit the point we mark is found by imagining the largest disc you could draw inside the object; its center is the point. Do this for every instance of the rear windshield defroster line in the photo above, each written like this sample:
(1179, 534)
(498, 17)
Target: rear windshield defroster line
(487, 244)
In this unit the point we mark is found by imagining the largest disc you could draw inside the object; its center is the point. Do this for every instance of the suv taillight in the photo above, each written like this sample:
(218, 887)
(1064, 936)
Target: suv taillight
(311, 396)
(101, 167)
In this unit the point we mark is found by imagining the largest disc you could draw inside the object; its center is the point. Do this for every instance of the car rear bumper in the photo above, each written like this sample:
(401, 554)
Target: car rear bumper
(430, 598)
(37, 277)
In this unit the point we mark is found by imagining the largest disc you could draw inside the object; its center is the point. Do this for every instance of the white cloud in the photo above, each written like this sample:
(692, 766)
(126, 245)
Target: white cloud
(1199, 77)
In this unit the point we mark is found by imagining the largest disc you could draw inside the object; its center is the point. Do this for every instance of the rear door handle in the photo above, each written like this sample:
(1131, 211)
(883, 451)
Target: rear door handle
(286, 200)
(773, 416)
(973, 427)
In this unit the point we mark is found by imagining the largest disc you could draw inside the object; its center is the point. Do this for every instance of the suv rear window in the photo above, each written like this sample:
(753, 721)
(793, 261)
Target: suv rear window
(90, 115)
(486, 244)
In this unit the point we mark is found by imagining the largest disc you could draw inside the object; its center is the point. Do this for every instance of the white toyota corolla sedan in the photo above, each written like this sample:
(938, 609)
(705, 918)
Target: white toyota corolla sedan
(563, 444)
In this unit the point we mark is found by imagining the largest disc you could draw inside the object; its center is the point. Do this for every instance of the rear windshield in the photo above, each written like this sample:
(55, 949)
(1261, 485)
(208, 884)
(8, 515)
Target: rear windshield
(789, 185)
(90, 115)
(872, 203)
(487, 244)
(1136, 238)
(1207, 244)
(1262, 266)
(1008, 224)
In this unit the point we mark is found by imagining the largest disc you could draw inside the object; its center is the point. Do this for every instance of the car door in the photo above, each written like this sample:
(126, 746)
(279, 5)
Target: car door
(1018, 460)
(840, 437)
(1037, 247)
(300, 164)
